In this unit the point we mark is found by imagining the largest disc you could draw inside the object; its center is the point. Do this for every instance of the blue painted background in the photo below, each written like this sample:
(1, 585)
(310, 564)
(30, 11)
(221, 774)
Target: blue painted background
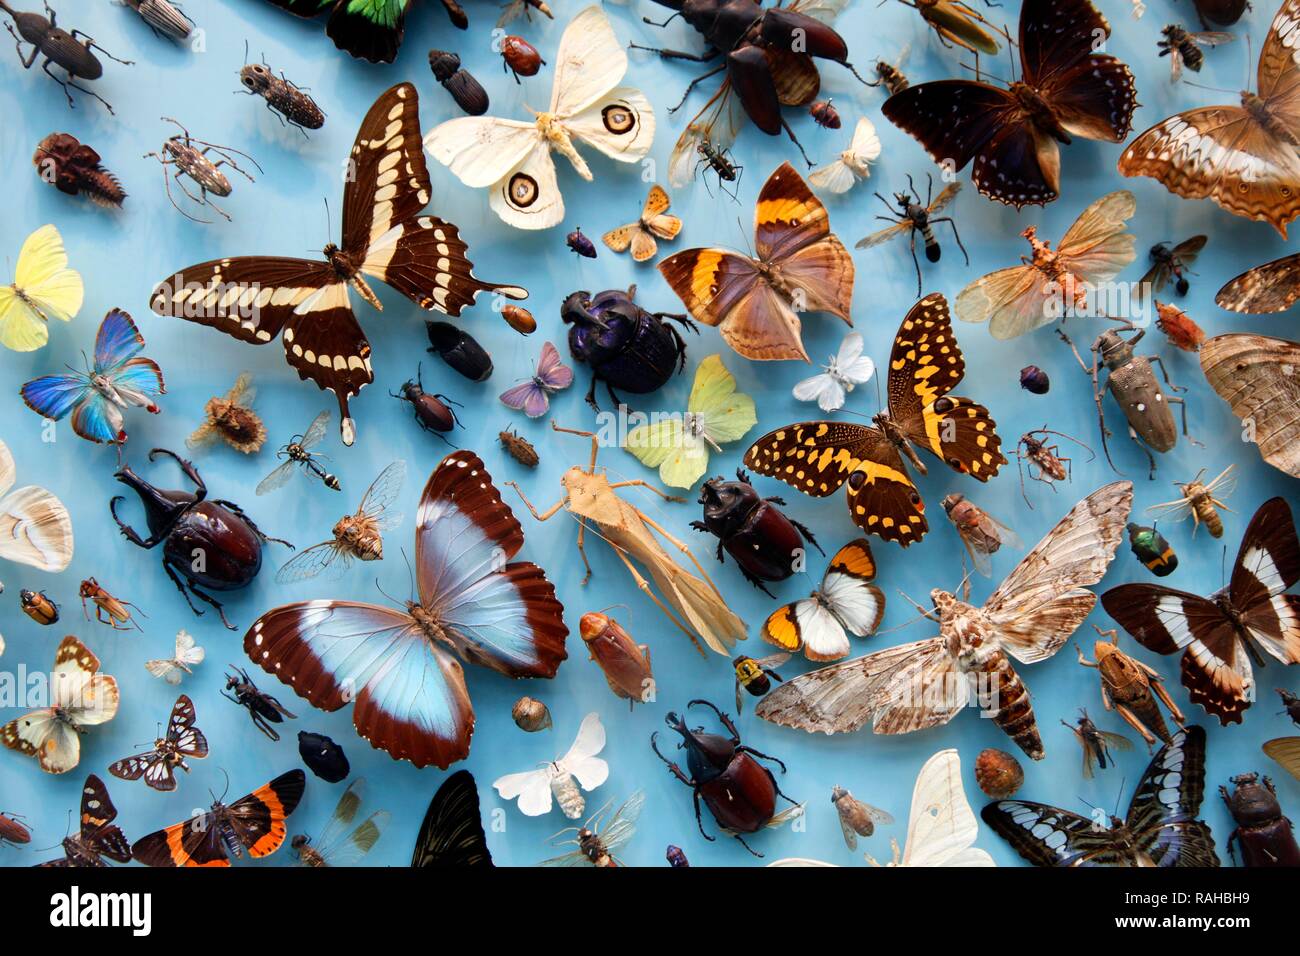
(121, 255)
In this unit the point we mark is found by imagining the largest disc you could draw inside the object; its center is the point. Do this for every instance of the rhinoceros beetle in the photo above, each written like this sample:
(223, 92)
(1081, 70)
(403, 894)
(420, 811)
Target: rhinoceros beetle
(1264, 834)
(763, 540)
(738, 790)
(624, 344)
(208, 543)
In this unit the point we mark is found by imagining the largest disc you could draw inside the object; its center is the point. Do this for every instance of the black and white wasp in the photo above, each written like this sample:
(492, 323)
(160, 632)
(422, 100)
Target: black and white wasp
(298, 453)
(912, 217)
(158, 766)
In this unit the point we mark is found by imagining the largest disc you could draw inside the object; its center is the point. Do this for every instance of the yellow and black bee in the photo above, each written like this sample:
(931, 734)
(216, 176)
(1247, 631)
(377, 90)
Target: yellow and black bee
(755, 675)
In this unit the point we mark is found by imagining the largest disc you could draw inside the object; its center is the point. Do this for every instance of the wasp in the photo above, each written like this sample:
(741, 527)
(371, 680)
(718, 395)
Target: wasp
(1183, 48)
(1200, 500)
(298, 452)
(981, 533)
(913, 217)
(1172, 262)
(108, 609)
(719, 162)
(264, 709)
(1051, 464)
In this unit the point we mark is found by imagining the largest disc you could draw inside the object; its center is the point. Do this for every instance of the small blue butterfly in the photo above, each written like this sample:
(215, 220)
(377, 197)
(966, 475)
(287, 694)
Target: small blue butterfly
(96, 398)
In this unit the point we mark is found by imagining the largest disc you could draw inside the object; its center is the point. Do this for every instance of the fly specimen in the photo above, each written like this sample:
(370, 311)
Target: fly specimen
(982, 534)
(256, 298)
(358, 535)
(692, 603)
(917, 218)
(191, 159)
(1183, 47)
(1096, 743)
(1160, 828)
(341, 844)
(601, 836)
(926, 683)
(856, 818)
(1201, 501)
(298, 453)
(1172, 262)
(1130, 688)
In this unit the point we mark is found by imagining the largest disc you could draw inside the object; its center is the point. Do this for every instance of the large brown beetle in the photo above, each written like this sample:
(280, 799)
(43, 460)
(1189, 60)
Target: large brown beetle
(1263, 832)
(208, 543)
(764, 541)
(73, 52)
(738, 790)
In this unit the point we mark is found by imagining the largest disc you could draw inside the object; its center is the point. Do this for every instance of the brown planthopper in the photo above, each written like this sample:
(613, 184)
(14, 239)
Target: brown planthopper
(625, 663)
(1130, 688)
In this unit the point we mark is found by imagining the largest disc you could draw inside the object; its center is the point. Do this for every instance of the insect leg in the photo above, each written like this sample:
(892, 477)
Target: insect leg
(692, 85)
(180, 586)
(644, 586)
(209, 599)
(1083, 660)
(275, 113)
(90, 44)
(916, 264)
(1159, 688)
(1131, 719)
(952, 223)
(582, 549)
(26, 61)
(641, 483)
(550, 512)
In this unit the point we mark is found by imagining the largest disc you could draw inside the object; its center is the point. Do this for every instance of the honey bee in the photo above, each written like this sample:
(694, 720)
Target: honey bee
(1200, 500)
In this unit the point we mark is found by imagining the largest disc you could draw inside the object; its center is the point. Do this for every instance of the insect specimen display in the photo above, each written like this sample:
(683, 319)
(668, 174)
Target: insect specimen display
(981, 533)
(598, 839)
(1096, 743)
(340, 843)
(1263, 835)
(256, 298)
(998, 773)
(847, 369)
(43, 288)
(1131, 688)
(755, 675)
(187, 655)
(1160, 829)
(97, 835)
(1220, 635)
(1173, 262)
(323, 757)
(163, 17)
(531, 715)
(563, 778)
(72, 52)
(579, 244)
(157, 767)
(72, 167)
(533, 397)
(1179, 327)
(1200, 501)
(460, 350)
(856, 818)
(35, 527)
(1152, 548)
(263, 709)
(1046, 463)
(913, 217)
(1268, 288)
(520, 57)
(459, 82)
(184, 157)
(640, 236)
(232, 419)
(38, 606)
(624, 662)
(286, 101)
(298, 456)
(110, 610)
(852, 164)
(941, 828)
(1183, 47)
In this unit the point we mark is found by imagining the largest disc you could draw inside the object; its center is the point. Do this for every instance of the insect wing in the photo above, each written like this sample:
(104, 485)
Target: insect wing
(581, 760)
(941, 829)
(326, 556)
(451, 834)
(276, 478)
(1162, 816)
(35, 527)
(316, 430)
(381, 494)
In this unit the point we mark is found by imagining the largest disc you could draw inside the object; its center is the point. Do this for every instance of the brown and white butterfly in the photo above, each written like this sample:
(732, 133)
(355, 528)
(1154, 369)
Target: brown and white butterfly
(97, 836)
(158, 766)
(1259, 376)
(925, 365)
(80, 697)
(926, 683)
(1221, 634)
(640, 235)
(1242, 157)
(1067, 88)
(256, 298)
(1263, 290)
(801, 266)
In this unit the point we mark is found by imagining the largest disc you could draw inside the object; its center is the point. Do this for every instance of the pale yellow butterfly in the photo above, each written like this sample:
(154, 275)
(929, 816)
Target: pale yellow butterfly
(43, 288)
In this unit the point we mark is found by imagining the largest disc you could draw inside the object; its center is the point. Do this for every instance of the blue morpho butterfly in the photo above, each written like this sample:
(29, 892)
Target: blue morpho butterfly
(397, 663)
(96, 397)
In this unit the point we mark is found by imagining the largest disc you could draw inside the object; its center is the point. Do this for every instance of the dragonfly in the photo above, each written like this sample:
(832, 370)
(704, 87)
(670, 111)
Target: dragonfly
(298, 452)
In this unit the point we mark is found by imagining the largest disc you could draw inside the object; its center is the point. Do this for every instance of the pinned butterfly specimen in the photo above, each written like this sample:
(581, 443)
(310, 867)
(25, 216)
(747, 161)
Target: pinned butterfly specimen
(80, 698)
(1160, 829)
(121, 378)
(640, 235)
(679, 445)
(97, 836)
(340, 844)
(452, 832)
(579, 767)
(254, 823)
(358, 535)
(1220, 635)
(43, 288)
(852, 164)
(1242, 157)
(1066, 89)
(1055, 282)
(925, 365)
(1286, 751)
(158, 766)
(1263, 290)
(533, 397)
(232, 419)
(942, 828)
(845, 603)
(35, 527)
(801, 266)
(1256, 375)
(188, 655)
(512, 159)
(256, 298)
(397, 666)
(926, 683)
(847, 369)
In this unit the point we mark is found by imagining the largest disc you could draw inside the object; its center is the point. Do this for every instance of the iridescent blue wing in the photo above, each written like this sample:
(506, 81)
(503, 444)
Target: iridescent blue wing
(97, 419)
(53, 396)
(138, 380)
(409, 693)
(499, 614)
(118, 340)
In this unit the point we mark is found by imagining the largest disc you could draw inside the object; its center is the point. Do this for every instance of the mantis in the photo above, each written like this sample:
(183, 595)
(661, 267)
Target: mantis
(692, 603)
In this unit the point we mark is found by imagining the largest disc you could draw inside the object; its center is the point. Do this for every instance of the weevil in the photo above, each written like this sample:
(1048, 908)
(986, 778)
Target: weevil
(190, 157)
(1131, 380)
(1051, 464)
(71, 52)
(288, 102)
(163, 17)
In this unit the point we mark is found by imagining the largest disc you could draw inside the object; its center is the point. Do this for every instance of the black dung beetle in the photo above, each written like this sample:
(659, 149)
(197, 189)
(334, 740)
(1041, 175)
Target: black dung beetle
(764, 541)
(208, 543)
(460, 350)
(1263, 833)
(624, 344)
(323, 756)
(739, 791)
(433, 412)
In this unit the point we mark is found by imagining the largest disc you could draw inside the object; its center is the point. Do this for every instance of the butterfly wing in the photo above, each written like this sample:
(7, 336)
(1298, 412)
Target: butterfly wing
(117, 341)
(665, 444)
(941, 829)
(50, 288)
(481, 151)
(528, 195)
(554, 374)
(727, 414)
(1255, 375)
(1162, 816)
(54, 743)
(149, 765)
(581, 760)
(621, 125)
(1048, 836)
(1286, 751)
(725, 289)
(97, 816)
(1268, 565)
(372, 31)
(451, 834)
(35, 527)
(501, 615)
(528, 397)
(182, 732)
(193, 842)
(925, 365)
(531, 787)
(848, 592)
(834, 177)
(258, 819)
(53, 396)
(1271, 287)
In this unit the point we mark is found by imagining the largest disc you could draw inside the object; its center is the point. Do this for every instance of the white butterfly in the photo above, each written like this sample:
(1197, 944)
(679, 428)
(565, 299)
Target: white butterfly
(942, 827)
(847, 369)
(513, 159)
(534, 788)
(188, 655)
(845, 601)
(79, 698)
(841, 175)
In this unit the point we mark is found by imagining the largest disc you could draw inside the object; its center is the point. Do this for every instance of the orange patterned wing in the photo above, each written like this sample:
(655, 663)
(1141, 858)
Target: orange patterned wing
(818, 457)
(259, 818)
(925, 365)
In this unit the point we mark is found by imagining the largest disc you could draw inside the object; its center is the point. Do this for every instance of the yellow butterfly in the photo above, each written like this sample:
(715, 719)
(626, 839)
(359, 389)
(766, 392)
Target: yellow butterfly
(43, 286)
(679, 444)
(640, 235)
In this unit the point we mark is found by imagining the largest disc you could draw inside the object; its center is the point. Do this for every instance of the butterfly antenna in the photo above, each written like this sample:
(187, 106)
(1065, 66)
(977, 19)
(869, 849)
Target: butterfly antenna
(1212, 89)
(218, 799)
(328, 220)
(410, 573)
(379, 587)
(1119, 796)
(980, 76)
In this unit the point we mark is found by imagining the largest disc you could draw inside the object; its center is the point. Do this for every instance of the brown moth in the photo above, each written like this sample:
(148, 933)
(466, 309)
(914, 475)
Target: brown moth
(1257, 376)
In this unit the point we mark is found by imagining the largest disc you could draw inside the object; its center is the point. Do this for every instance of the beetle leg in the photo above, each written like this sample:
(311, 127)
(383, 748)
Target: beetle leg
(663, 54)
(699, 820)
(613, 396)
(757, 753)
(90, 44)
(128, 532)
(752, 578)
(274, 113)
(1151, 459)
(692, 85)
(591, 395)
(209, 599)
(187, 467)
(231, 506)
(675, 770)
(18, 46)
(1182, 405)
(213, 206)
(741, 840)
(180, 586)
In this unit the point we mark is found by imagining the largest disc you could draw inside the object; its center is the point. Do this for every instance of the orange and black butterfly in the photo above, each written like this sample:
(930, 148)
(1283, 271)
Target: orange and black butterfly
(254, 823)
(819, 457)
